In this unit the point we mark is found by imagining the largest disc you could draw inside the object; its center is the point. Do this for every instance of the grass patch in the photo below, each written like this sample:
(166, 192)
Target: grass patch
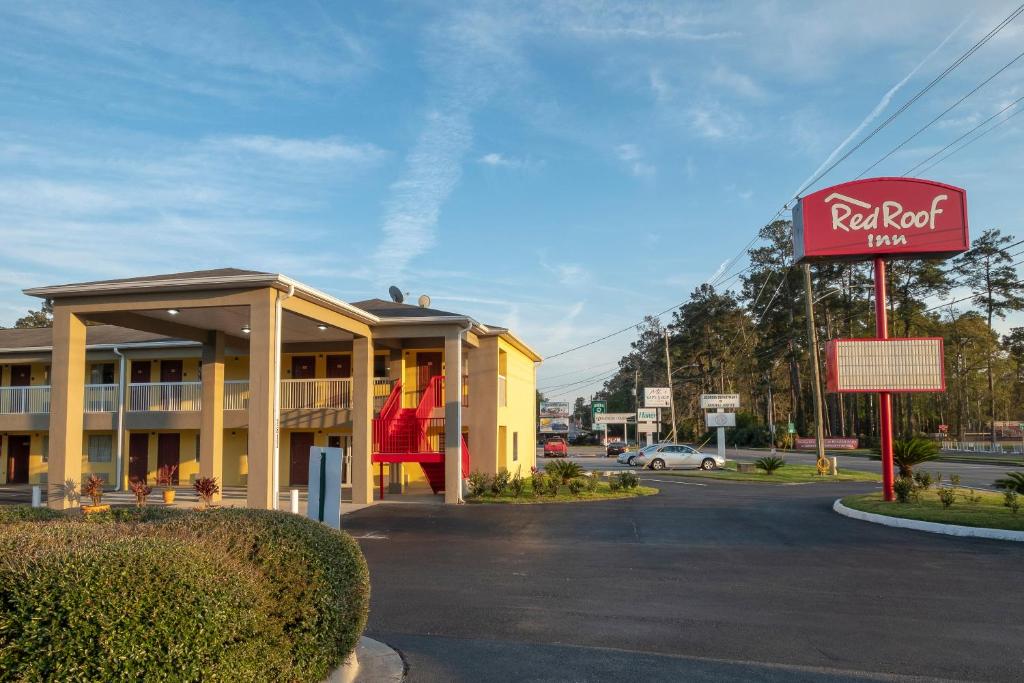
(790, 474)
(988, 512)
(603, 492)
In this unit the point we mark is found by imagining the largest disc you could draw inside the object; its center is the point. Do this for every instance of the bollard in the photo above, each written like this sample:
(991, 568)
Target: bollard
(835, 466)
(37, 497)
(295, 501)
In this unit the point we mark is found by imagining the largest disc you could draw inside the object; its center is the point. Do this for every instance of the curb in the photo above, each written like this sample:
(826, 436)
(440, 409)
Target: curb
(372, 660)
(930, 527)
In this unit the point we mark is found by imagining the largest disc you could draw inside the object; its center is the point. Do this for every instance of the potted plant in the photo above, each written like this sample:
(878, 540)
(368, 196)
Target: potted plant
(141, 490)
(207, 488)
(93, 488)
(165, 479)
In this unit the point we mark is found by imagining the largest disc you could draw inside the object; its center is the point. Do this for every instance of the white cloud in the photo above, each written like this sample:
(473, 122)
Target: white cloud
(497, 159)
(302, 150)
(659, 86)
(713, 121)
(739, 83)
(631, 155)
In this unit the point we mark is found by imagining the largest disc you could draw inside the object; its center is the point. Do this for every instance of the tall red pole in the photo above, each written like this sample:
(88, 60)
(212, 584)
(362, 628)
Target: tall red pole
(884, 397)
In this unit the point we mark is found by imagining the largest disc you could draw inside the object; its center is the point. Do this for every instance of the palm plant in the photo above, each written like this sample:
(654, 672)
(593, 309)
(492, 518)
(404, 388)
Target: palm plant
(770, 463)
(563, 470)
(1013, 481)
(908, 453)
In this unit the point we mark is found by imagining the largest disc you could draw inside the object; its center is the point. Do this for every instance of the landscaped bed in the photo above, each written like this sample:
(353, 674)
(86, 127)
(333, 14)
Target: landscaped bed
(970, 508)
(154, 593)
(561, 481)
(789, 474)
(527, 497)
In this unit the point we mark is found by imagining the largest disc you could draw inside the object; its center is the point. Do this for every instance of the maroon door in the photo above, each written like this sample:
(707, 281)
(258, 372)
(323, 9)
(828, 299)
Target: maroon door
(303, 367)
(18, 447)
(138, 457)
(21, 375)
(298, 458)
(168, 452)
(170, 371)
(339, 366)
(429, 366)
(140, 372)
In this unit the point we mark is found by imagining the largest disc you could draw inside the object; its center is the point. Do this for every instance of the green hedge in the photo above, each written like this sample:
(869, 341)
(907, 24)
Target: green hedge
(10, 514)
(220, 594)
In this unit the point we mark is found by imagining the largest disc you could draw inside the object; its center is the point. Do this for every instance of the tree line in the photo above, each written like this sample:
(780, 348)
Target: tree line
(752, 340)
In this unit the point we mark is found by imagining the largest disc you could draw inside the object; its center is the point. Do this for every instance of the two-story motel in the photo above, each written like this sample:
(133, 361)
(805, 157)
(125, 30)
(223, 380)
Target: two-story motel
(224, 373)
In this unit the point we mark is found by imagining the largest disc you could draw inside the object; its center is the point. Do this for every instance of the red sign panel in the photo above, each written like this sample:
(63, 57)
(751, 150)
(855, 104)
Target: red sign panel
(831, 442)
(889, 217)
(909, 365)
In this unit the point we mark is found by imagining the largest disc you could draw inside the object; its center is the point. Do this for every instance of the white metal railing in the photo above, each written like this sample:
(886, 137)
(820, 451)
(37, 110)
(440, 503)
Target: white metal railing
(236, 394)
(312, 394)
(22, 400)
(381, 390)
(100, 398)
(502, 391)
(165, 397)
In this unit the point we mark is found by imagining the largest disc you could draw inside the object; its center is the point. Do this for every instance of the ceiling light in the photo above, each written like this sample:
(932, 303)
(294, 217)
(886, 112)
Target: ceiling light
(246, 329)
(172, 311)
(321, 327)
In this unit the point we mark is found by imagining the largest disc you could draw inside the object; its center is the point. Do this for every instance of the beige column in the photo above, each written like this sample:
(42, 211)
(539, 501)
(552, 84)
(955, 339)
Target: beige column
(262, 430)
(453, 417)
(482, 414)
(67, 398)
(362, 420)
(211, 431)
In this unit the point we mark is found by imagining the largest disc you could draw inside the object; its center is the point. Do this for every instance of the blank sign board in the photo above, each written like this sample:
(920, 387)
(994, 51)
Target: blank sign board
(895, 365)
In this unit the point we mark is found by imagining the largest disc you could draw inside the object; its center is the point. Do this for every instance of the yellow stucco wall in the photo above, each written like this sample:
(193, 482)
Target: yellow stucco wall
(519, 415)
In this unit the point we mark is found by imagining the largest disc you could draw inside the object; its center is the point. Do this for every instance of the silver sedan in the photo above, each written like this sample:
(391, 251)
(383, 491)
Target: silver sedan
(631, 457)
(670, 455)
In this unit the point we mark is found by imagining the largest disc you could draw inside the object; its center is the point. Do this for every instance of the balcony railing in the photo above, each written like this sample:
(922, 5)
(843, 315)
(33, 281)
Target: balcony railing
(236, 394)
(381, 390)
(316, 394)
(165, 397)
(24, 400)
(100, 398)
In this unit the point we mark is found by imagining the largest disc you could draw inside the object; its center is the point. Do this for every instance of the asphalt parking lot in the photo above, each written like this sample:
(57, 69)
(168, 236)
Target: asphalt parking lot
(723, 582)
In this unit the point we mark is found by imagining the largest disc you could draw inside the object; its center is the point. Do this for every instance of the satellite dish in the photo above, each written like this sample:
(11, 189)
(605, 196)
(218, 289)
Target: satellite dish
(424, 301)
(396, 294)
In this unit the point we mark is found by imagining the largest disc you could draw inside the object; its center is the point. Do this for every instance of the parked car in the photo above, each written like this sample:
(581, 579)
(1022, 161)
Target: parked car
(630, 457)
(555, 447)
(671, 455)
(616, 447)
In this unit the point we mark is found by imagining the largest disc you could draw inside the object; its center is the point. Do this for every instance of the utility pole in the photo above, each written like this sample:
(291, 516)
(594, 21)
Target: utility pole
(671, 392)
(812, 336)
(771, 413)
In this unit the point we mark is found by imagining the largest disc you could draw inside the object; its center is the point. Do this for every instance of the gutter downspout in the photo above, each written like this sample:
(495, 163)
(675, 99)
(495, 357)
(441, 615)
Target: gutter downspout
(121, 397)
(276, 475)
(458, 403)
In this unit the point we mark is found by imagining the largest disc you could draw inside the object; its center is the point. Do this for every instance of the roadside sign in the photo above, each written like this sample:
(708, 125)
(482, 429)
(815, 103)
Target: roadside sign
(648, 428)
(613, 418)
(719, 400)
(791, 428)
(657, 397)
(944, 429)
(714, 420)
(647, 414)
(597, 407)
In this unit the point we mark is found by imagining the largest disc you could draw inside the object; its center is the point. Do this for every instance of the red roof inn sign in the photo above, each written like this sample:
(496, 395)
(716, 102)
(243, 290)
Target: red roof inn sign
(890, 217)
(878, 219)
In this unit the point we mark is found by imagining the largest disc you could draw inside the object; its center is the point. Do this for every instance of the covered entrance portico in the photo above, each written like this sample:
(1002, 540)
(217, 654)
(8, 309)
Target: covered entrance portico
(230, 312)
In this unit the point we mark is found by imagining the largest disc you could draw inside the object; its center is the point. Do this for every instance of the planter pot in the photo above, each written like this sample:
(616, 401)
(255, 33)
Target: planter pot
(92, 509)
(169, 496)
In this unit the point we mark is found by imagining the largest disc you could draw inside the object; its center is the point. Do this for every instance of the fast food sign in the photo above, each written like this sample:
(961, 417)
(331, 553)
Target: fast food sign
(881, 217)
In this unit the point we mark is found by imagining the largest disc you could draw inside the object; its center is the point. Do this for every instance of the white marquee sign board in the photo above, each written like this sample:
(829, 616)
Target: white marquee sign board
(719, 401)
(657, 397)
(648, 427)
(720, 420)
(647, 414)
(613, 418)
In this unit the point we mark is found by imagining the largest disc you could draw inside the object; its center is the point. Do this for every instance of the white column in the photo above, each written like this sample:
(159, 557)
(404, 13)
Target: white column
(453, 417)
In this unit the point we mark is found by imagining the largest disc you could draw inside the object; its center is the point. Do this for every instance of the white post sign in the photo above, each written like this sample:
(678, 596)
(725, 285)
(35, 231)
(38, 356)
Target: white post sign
(719, 401)
(646, 414)
(715, 420)
(324, 504)
(657, 397)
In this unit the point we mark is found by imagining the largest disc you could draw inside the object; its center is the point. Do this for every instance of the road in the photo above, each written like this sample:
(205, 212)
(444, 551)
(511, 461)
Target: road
(726, 582)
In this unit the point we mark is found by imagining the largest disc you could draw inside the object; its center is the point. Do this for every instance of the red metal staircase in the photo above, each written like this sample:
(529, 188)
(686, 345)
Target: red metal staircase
(414, 434)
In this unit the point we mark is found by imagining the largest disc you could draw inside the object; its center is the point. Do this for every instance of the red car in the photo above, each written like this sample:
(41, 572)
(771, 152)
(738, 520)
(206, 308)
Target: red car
(556, 447)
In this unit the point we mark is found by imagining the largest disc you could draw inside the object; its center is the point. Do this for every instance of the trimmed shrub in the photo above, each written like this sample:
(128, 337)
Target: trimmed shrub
(118, 605)
(628, 480)
(553, 483)
(517, 485)
(614, 484)
(947, 496)
(592, 481)
(500, 482)
(575, 486)
(903, 487)
(923, 480)
(478, 483)
(538, 483)
(10, 514)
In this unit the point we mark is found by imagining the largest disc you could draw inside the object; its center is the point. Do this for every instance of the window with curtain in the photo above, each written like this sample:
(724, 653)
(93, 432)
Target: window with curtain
(99, 447)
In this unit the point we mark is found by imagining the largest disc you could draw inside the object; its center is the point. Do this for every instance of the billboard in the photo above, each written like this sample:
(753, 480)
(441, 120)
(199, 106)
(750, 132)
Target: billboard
(554, 417)
(554, 425)
(895, 365)
(888, 217)
(613, 418)
(719, 400)
(657, 397)
(647, 414)
(713, 420)
(831, 442)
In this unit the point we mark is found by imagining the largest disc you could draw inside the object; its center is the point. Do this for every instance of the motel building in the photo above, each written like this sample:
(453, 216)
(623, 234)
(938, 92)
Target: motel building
(194, 370)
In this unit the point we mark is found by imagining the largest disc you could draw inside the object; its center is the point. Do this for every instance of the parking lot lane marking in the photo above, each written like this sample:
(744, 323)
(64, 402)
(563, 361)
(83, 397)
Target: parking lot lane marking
(684, 483)
(371, 536)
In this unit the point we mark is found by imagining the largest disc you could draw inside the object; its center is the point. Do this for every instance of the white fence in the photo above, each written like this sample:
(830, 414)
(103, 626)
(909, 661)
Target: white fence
(100, 398)
(165, 397)
(313, 394)
(22, 400)
(1007, 448)
(236, 394)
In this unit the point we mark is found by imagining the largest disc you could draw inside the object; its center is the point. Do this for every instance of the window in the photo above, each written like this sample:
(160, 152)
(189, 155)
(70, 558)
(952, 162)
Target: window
(380, 365)
(102, 373)
(515, 446)
(100, 447)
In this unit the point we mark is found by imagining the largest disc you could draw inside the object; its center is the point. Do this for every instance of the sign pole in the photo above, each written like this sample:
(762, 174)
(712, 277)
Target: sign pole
(884, 397)
(671, 393)
(721, 438)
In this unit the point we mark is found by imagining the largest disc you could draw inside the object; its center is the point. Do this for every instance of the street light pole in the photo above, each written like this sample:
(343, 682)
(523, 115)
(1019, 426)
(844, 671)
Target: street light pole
(671, 392)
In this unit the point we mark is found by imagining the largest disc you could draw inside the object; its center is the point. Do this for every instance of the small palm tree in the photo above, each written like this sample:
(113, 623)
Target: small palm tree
(563, 470)
(770, 463)
(908, 453)
(1013, 481)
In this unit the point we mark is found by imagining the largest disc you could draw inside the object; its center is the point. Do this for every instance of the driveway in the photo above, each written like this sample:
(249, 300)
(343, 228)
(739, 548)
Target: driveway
(721, 581)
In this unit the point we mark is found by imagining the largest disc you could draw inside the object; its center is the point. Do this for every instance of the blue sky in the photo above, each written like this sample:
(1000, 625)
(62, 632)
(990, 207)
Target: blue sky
(562, 168)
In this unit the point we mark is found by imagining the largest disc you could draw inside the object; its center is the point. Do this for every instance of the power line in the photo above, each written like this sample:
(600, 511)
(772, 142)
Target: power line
(973, 140)
(946, 111)
(576, 372)
(906, 105)
(575, 382)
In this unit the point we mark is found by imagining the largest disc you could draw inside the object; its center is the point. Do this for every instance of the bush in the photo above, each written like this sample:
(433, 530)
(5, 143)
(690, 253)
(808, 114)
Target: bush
(141, 490)
(1010, 500)
(592, 481)
(628, 480)
(538, 483)
(576, 486)
(9, 514)
(770, 463)
(1013, 481)
(614, 484)
(517, 485)
(923, 480)
(93, 487)
(553, 483)
(563, 470)
(947, 496)
(500, 482)
(207, 488)
(903, 487)
(124, 606)
(908, 453)
(478, 483)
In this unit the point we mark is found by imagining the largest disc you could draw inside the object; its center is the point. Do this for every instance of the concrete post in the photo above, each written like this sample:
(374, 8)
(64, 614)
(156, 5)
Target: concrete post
(262, 430)
(211, 433)
(362, 420)
(67, 399)
(482, 414)
(453, 417)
